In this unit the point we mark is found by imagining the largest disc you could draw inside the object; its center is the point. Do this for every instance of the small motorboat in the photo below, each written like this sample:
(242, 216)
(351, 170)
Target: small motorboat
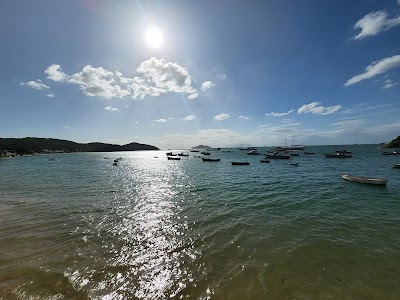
(305, 152)
(173, 158)
(343, 151)
(264, 160)
(205, 153)
(240, 163)
(210, 159)
(293, 163)
(395, 152)
(396, 166)
(359, 179)
(253, 152)
(337, 155)
(183, 154)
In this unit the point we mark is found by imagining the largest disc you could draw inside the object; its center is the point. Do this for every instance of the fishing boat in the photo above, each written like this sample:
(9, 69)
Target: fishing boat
(264, 160)
(293, 163)
(240, 163)
(396, 166)
(253, 152)
(277, 155)
(359, 179)
(173, 158)
(395, 152)
(210, 159)
(337, 155)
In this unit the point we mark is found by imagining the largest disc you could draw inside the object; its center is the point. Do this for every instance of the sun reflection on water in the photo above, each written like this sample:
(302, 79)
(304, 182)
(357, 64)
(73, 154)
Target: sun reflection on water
(149, 258)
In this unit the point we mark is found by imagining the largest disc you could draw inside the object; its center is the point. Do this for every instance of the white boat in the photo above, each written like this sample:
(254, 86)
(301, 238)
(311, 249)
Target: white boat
(377, 181)
(253, 152)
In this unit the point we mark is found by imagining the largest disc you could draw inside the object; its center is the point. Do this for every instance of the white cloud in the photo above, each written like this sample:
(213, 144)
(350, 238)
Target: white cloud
(317, 109)
(37, 85)
(374, 23)
(110, 108)
(376, 68)
(193, 96)
(154, 78)
(160, 120)
(51, 95)
(98, 82)
(189, 118)
(223, 76)
(245, 117)
(389, 84)
(207, 85)
(279, 114)
(54, 73)
(221, 117)
(168, 76)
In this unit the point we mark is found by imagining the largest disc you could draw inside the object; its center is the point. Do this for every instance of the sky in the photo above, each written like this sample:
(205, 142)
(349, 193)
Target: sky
(176, 74)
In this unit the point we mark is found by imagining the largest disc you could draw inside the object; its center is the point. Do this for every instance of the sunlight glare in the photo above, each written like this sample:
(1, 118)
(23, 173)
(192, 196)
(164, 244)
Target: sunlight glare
(154, 37)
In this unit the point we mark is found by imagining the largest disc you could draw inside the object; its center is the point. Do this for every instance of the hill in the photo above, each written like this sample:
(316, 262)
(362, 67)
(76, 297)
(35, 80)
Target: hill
(33, 144)
(394, 144)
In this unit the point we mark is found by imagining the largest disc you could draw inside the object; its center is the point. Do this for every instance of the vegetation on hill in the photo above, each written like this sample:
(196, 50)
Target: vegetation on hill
(35, 145)
(394, 144)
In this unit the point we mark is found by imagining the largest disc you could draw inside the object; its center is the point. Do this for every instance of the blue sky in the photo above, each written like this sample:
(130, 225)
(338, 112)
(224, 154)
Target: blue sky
(215, 72)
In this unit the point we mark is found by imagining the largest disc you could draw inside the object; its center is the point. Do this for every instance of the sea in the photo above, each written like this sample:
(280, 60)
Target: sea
(73, 226)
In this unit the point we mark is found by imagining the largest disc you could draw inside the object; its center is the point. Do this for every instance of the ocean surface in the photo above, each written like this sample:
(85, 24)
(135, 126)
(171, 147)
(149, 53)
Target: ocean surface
(80, 228)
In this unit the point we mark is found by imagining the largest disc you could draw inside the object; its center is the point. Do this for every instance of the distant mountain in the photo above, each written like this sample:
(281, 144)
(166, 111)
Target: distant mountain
(33, 144)
(201, 147)
(394, 144)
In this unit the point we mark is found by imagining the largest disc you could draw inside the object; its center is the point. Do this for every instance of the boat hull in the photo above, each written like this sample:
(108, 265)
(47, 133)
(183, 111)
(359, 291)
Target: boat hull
(366, 180)
(240, 163)
(210, 159)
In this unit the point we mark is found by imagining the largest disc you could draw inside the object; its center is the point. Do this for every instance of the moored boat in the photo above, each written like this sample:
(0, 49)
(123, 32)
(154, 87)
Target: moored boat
(264, 160)
(395, 152)
(210, 159)
(293, 163)
(368, 180)
(253, 152)
(240, 163)
(277, 155)
(173, 158)
(183, 154)
(205, 153)
(305, 152)
(396, 166)
(337, 155)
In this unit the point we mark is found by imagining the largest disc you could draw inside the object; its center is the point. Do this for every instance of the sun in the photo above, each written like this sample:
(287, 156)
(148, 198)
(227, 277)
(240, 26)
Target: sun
(154, 37)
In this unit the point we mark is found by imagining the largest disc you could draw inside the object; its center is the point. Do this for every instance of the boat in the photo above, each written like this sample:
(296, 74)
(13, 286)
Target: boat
(183, 154)
(293, 163)
(226, 151)
(170, 154)
(173, 158)
(194, 150)
(376, 181)
(115, 164)
(305, 152)
(205, 153)
(343, 151)
(240, 163)
(337, 155)
(395, 152)
(52, 158)
(396, 166)
(253, 152)
(277, 155)
(210, 159)
(264, 160)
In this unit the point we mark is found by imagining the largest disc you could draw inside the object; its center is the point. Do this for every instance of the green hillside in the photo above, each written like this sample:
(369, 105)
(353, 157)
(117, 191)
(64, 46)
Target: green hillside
(394, 144)
(32, 144)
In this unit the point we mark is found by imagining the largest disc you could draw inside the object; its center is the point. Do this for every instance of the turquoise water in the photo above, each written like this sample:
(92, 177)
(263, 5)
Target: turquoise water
(149, 228)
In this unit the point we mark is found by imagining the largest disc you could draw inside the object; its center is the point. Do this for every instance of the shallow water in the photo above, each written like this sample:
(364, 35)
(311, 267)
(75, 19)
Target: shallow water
(149, 228)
